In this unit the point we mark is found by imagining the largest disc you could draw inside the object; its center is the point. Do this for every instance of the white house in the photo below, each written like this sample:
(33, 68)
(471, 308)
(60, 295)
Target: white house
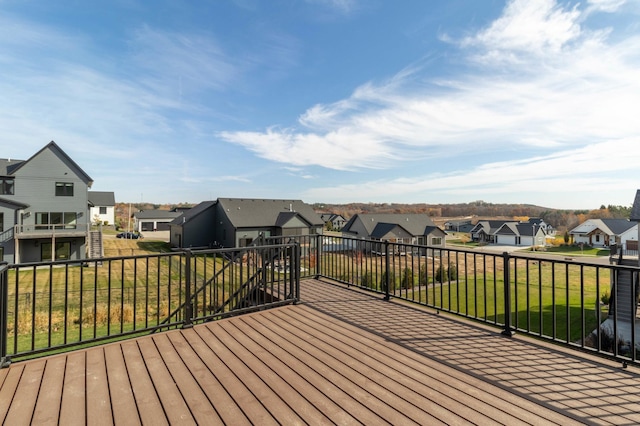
(102, 207)
(604, 232)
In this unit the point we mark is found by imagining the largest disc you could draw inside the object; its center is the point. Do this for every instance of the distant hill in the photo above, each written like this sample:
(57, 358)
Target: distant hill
(560, 219)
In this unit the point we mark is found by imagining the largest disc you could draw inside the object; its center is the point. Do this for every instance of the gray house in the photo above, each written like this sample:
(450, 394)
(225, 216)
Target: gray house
(416, 229)
(236, 222)
(43, 207)
(194, 227)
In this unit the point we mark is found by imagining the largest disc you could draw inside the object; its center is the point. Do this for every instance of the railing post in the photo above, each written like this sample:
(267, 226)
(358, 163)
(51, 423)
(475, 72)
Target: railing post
(507, 295)
(295, 285)
(387, 274)
(4, 299)
(188, 303)
(318, 255)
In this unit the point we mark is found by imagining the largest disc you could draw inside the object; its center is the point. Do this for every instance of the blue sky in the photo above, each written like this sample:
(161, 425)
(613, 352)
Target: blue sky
(333, 101)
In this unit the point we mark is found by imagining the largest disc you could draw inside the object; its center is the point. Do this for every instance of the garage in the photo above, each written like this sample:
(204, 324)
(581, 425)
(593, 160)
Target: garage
(146, 226)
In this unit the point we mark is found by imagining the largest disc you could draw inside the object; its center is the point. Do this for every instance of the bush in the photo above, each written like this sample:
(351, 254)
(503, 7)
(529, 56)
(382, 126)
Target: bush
(423, 276)
(366, 280)
(446, 274)
(407, 280)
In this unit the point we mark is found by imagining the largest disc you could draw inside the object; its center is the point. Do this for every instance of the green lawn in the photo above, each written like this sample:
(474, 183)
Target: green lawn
(555, 300)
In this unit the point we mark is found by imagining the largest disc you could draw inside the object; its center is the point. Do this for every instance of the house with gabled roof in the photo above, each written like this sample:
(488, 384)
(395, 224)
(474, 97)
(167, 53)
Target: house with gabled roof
(195, 227)
(237, 222)
(520, 234)
(43, 207)
(102, 206)
(336, 221)
(532, 232)
(605, 232)
(484, 231)
(417, 229)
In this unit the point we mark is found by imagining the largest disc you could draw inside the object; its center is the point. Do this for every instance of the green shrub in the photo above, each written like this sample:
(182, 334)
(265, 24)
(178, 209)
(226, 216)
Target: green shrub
(366, 280)
(407, 280)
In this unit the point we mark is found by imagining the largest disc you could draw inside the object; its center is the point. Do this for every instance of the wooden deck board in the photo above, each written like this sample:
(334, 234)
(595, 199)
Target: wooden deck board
(47, 409)
(10, 383)
(198, 403)
(24, 400)
(226, 409)
(340, 357)
(123, 402)
(149, 406)
(72, 406)
(247, 402)
(99, 402)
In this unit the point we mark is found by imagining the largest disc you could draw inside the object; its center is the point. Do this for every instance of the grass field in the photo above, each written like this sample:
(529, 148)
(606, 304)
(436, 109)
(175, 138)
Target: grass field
(551, 299)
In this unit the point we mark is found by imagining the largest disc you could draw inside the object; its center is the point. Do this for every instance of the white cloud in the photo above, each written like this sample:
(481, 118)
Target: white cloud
(597, 168)
(605, 5)
(535, 27)
(571, 87)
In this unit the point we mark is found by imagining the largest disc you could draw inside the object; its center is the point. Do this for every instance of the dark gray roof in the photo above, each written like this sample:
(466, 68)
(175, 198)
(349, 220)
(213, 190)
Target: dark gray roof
(249, 212)
(635, 210)
(156, 214)
(414, 224)
(383, 229)
(618, 226)
(7, 166)
(185, 215)
(491, 226)
(101, 198)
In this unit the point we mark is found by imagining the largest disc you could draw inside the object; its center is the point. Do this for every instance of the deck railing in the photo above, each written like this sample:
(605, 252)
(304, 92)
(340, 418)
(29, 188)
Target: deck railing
(555, 298)
(51, 306)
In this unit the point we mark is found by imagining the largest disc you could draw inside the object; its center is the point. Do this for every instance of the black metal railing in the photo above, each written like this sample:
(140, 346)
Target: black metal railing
(52, 306)
(550, 297)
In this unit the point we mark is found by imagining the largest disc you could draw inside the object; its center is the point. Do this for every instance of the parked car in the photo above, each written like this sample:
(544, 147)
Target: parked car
(129, 235)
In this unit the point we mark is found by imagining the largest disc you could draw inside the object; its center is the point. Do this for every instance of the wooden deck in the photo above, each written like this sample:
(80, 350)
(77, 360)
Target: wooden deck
(340, 357)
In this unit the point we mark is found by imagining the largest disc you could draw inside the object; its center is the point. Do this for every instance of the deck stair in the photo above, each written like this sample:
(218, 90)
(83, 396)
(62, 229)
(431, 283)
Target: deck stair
(96, 249)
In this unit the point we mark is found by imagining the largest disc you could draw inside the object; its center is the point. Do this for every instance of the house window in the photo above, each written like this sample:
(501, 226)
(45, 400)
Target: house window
(6, 186)
(64, 189)
(436, 241)
(1, 225)
(518, 240)
(56, 220)
(103, 210)
(63, 251)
